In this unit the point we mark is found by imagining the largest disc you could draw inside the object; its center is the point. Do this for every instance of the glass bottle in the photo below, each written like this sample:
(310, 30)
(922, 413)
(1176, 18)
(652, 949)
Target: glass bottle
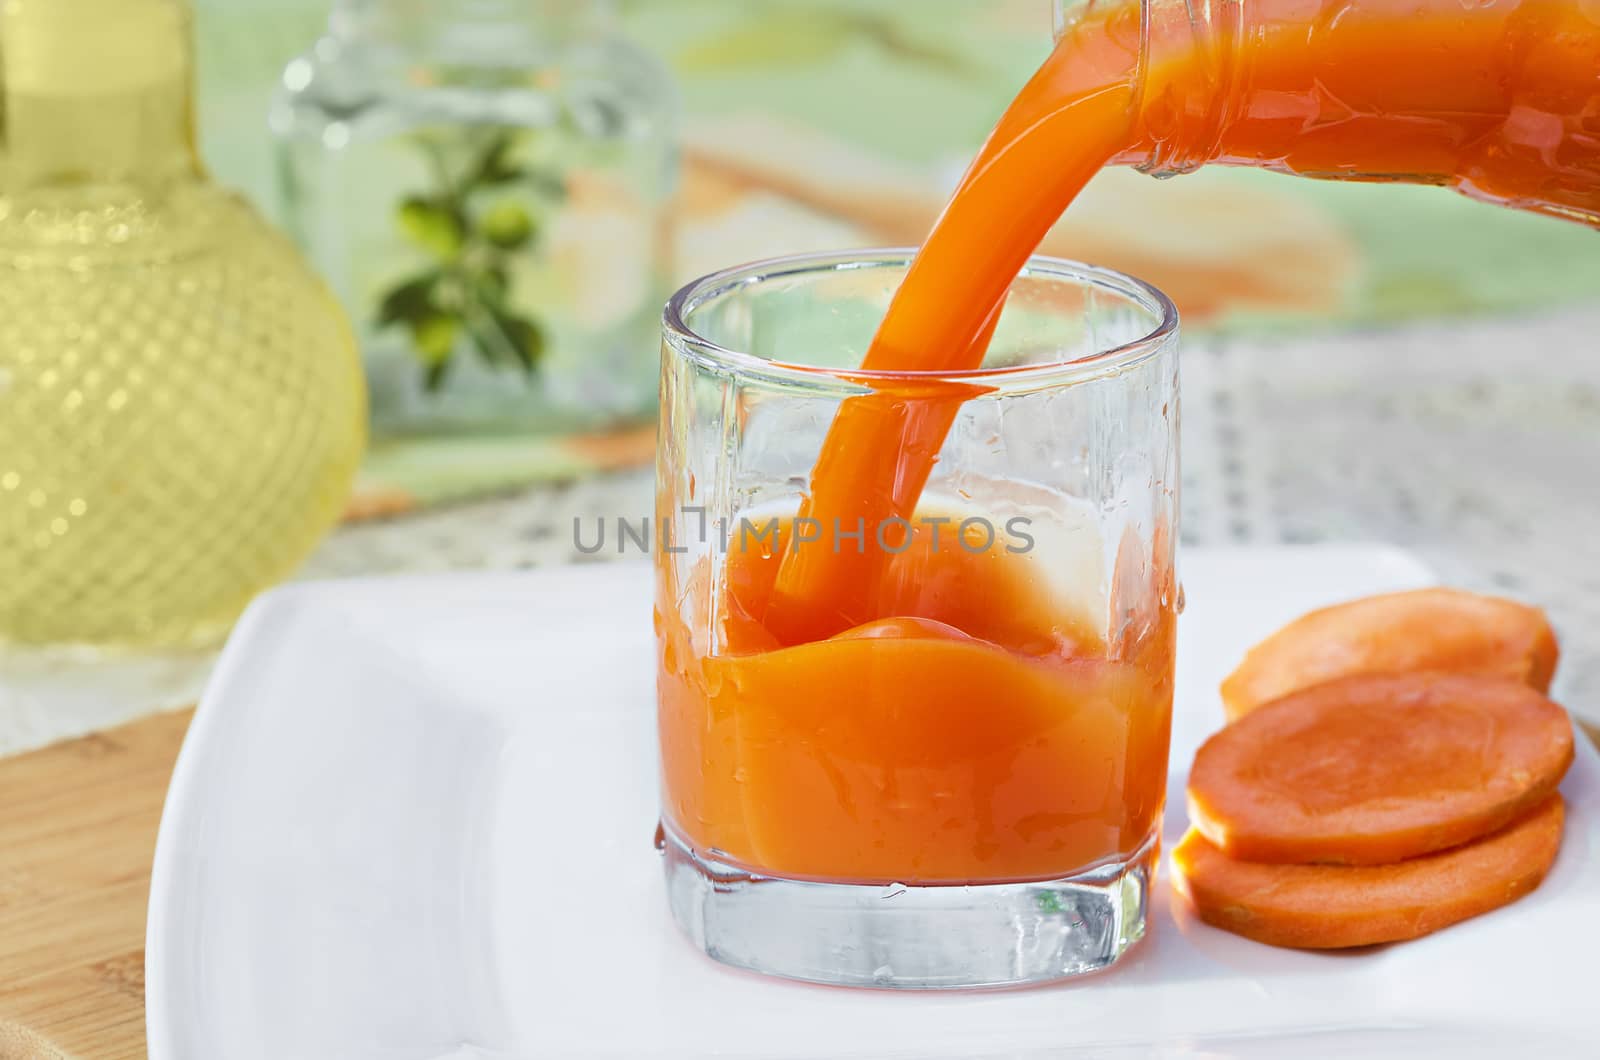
(181, 405)
(484, 183)
(1498, 99)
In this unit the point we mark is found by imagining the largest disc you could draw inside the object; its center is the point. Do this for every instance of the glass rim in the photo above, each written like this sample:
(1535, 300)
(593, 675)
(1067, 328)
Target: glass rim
(716, 357)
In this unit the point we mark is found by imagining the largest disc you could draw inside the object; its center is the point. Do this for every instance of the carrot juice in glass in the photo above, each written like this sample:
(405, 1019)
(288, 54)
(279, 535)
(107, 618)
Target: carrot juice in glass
(952, 773)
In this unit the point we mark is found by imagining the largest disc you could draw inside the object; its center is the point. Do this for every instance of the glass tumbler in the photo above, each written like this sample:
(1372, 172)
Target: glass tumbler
(963, 785)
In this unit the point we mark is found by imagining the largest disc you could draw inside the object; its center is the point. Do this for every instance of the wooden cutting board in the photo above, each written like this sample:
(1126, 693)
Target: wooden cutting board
(77, 834)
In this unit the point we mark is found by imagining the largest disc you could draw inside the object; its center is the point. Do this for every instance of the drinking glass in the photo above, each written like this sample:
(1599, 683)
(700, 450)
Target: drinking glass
(963, 787)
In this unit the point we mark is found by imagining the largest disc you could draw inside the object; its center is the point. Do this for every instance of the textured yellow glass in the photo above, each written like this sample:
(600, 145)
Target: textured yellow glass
(181, 404)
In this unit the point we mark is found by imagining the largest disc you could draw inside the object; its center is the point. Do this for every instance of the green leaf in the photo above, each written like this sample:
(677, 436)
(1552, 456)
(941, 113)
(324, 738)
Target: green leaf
(411, 300)
(498, 332)
(493, 283)
(433, 376)
(495, 165)
(507, 225)
(434, 337)
(434, 225)
(527, 340)
(492, 346)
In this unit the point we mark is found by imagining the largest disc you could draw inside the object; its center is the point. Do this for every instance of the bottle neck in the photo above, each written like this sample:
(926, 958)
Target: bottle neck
(95, 94)
(1187, 65)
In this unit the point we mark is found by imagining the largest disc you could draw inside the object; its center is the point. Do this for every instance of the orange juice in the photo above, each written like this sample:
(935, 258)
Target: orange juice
(974, 728)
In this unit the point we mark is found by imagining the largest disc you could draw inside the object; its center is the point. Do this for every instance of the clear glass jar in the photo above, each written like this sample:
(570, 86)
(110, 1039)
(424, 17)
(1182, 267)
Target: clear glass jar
(986, 745)
(484, 184)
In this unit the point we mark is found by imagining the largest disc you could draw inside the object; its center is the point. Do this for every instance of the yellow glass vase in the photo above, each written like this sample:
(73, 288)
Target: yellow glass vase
(181, 402)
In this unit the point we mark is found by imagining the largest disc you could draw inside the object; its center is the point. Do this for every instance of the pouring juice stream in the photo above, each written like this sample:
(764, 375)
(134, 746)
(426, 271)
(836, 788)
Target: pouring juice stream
(1499, 99)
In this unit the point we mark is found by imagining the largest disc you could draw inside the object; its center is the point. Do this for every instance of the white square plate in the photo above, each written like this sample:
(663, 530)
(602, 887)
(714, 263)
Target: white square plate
(412, 821)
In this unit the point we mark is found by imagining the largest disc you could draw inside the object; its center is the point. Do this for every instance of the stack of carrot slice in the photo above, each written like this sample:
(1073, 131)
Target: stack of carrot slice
(1401, 778)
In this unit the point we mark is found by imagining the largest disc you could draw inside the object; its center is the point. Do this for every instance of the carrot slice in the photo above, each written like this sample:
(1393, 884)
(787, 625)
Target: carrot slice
(1372, 769)
(1428, 629)
(1335, 906)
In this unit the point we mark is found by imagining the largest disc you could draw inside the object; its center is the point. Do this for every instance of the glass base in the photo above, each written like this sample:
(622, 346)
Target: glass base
(910, 937)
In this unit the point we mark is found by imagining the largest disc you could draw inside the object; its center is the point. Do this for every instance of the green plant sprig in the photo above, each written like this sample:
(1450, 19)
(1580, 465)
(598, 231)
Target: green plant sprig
(471, 235)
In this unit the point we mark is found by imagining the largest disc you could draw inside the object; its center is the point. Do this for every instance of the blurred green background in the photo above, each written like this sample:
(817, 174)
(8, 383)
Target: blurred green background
(817, 124)
(919, 85)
